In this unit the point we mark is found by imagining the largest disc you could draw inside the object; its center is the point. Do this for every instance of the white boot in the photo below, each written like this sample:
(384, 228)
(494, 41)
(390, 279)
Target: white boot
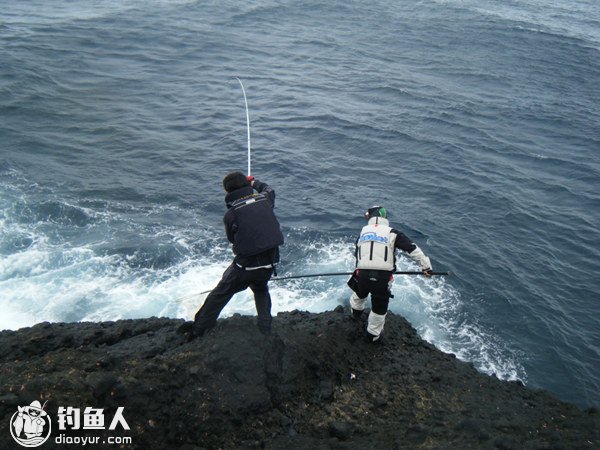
(375, 326)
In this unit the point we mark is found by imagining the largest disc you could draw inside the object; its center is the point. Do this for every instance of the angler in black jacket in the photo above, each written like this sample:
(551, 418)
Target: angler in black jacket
(254, 231)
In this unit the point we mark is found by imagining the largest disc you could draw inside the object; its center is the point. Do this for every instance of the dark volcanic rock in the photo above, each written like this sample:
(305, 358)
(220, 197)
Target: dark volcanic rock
(313, 384)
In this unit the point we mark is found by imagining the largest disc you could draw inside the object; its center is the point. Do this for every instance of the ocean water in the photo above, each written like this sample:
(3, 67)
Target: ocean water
(476, 123)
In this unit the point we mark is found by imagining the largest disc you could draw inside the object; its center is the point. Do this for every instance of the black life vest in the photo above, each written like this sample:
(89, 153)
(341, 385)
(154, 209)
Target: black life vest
(258, 229)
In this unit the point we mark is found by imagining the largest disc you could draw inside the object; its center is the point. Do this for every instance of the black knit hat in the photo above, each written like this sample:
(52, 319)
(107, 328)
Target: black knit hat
(235, 180)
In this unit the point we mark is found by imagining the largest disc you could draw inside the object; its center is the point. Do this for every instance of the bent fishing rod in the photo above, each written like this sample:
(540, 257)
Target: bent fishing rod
(247, 121)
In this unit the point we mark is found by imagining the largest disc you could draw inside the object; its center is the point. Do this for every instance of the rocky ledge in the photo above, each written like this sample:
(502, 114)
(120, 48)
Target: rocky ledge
(313, 384)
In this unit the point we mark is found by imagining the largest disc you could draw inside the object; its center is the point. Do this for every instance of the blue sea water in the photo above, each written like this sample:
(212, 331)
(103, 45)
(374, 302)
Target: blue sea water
(476, 123)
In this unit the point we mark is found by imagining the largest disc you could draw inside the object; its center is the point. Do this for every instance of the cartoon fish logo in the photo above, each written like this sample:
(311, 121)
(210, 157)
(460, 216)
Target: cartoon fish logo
(30, 426)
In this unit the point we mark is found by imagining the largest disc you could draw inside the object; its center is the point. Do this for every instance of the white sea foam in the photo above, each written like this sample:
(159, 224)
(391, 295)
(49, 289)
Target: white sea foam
(436, 310)
(78, 285)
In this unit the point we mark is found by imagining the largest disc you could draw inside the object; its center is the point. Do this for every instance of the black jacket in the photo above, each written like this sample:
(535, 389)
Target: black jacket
(251, 225)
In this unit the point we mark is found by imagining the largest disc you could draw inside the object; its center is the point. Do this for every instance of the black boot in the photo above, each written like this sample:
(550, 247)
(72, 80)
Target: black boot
(195, 333)
(185, 328)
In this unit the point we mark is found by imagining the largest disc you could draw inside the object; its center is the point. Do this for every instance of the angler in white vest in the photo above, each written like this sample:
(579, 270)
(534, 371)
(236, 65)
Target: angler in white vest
(375, 264)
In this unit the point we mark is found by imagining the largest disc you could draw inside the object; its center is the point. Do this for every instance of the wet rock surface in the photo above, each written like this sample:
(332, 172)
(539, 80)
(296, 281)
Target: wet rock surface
(313, 384)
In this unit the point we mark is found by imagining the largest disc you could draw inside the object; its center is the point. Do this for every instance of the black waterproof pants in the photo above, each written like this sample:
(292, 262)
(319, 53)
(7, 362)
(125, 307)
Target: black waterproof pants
(234, 280)
(376, 283)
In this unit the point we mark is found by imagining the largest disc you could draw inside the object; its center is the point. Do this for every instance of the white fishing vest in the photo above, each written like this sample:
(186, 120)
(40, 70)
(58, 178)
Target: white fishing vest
(375, 246)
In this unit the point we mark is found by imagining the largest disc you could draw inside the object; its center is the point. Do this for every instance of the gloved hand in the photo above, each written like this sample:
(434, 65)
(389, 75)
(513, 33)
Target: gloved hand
(250, 178)
(427, 272)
